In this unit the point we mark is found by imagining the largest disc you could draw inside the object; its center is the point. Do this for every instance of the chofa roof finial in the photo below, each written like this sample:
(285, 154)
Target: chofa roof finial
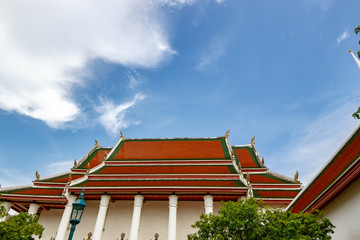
(227, 134)
(121, 134)
(37, 175)
(96, 143)
(253, 141)
(296, 177)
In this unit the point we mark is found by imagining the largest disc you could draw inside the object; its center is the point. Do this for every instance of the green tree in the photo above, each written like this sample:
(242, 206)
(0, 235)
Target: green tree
(251, 220)
(20, 227)
(356, 114)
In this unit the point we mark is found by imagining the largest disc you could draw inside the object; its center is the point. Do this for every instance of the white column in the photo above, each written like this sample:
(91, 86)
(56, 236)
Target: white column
(208, 203)
(100, 221)
(33, 208)
(134, 229)
(65, 219)
(7, 206)
(172, 217)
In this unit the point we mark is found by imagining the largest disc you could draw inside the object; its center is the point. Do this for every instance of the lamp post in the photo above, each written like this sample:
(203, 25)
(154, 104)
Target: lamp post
(76, 214)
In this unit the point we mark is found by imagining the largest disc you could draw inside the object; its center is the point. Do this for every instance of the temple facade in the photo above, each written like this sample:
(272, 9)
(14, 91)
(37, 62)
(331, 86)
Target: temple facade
(150, 188)
(335, 190)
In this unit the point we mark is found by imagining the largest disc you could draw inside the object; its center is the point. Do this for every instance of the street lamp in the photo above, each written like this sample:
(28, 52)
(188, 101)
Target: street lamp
(76, 214)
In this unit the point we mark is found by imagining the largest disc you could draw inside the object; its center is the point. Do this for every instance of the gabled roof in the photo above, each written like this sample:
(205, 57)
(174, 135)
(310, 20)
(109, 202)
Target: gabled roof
(188, 167)
(175, 148)
(339, 172)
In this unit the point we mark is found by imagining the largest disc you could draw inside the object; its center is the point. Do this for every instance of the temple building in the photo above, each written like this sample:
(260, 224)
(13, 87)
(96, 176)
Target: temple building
(335, 190)
(150, 188)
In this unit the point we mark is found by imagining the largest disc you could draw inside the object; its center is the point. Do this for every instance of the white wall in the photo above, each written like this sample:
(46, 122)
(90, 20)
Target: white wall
(50, 220)
(344, 213)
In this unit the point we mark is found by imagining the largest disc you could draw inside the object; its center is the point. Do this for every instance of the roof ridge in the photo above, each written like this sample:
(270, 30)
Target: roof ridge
(176, 138)
(15, 187)
(284, 177)
(52, 176)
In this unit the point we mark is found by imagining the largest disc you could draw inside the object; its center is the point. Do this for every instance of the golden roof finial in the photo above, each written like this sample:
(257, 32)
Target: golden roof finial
(69, 178)
(37, 175)
(96, 143)
(296, 177)
(263, 161)
(350, 51)
(88, 167)
(121, 134)
(227, 134)
(75, 163)
(253, 141)
(239, 166)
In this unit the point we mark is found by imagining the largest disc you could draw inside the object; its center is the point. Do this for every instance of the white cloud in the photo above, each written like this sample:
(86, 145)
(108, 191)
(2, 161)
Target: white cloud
(214, 50)
(43, 43)
(12, 177)
(315, 143)
(342, 37)
(57, 167)
(112, 116)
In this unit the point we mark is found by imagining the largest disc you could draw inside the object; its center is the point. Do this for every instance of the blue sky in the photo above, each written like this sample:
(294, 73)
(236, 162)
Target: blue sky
(72, 72)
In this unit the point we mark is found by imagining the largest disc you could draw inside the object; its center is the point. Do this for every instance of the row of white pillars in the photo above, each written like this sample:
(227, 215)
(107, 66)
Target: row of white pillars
(104, 204)
(33, 208)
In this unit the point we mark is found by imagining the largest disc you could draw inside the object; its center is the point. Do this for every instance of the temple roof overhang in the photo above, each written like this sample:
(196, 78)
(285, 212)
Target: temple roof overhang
(342, 169)
(156, 168)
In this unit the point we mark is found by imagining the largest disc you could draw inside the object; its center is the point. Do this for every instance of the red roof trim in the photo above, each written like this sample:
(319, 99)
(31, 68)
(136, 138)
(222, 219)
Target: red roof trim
(339, 164)
(341, 184)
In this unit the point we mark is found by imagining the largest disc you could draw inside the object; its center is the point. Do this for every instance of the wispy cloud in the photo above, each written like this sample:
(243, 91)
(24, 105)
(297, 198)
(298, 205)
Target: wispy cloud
(214, 50)
(13, 177)
(112, 116)
(134, 79)
(57, 167)
(342, 37)
(43, 45)
(315, 143)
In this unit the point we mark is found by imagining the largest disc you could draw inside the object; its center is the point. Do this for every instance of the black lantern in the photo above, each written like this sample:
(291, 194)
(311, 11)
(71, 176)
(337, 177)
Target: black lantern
(77, 212)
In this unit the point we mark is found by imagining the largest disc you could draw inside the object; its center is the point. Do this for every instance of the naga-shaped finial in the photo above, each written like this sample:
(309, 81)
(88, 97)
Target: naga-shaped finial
(88, 167)
(262, 161)
(37, 175)
(239, 166)
(96, 143)
(121, 134)
(75, 163)
(253, 141)
(227, 134)
(296, 177)
(69, 178)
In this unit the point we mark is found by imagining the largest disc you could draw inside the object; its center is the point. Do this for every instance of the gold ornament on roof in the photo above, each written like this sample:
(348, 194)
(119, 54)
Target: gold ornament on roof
(88, 167)
(69, 178)
(37, 175)
(350, 51)
(262, 161)
(121, 134)
(96, 143)
(248, 178)
(227, 134)
(296, 177)
(253, 141)
(239, 166)
(75, 163)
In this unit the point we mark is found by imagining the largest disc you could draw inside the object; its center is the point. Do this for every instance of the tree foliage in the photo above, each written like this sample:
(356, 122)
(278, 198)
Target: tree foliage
(251, 220)
(22, 226)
